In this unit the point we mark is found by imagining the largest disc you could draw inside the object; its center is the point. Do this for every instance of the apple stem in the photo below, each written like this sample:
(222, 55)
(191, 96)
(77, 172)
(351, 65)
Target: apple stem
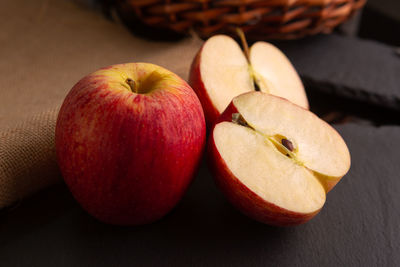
(245, 45)
(131, 84)
(242, 37)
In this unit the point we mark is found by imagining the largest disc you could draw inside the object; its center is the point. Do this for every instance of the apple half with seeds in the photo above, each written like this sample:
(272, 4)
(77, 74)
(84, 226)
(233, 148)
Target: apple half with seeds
(275, 161)
(221, 70)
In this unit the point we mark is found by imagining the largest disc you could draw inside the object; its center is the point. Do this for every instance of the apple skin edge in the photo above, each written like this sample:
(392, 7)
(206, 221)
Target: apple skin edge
(196, 82)
(329, 185)
(240, 196)
(128, 160)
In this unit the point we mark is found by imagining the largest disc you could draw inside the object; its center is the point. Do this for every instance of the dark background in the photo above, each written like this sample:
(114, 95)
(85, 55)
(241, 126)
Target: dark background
(359, 225)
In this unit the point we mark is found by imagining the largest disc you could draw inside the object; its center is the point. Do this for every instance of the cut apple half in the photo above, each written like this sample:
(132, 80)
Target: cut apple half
(221, 71)
(274, 160)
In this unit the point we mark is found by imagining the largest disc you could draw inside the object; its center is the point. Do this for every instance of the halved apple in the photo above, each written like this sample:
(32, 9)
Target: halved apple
(221, 71)
(274, 160)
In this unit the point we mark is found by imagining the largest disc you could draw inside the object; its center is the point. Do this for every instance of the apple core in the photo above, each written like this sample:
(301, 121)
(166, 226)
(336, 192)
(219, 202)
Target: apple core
(281, 143)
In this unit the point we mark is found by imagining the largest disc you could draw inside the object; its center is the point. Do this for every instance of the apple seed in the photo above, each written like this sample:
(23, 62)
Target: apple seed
(237, 118)
(286, 143)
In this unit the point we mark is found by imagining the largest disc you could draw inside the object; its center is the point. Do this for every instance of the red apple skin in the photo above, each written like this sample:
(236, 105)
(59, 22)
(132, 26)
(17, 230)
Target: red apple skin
(196, 82)
(240, 196)
(128, 158)
(329, 185)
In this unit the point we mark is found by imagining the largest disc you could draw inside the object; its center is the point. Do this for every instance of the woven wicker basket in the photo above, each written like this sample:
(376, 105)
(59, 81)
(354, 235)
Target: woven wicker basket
(259, 19)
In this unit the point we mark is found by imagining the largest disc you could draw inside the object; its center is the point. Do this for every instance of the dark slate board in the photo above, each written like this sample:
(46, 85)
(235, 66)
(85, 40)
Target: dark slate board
(359, 225)
(362, 70)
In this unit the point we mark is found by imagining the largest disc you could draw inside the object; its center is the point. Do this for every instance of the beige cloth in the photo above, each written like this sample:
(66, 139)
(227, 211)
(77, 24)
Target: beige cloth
(45, 48)
(27, 157)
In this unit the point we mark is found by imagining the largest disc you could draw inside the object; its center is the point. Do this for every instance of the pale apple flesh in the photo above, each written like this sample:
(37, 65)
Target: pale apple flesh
(129, 138)
(268, 181)
(275, 74)
(218, 73)
(221, 71)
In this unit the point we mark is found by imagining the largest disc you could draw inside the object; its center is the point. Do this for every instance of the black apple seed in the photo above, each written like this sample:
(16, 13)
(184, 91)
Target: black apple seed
(286, 143)
(237, 118)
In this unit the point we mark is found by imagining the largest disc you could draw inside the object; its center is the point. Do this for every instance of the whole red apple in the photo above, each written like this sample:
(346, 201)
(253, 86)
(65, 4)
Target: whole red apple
(129, 138)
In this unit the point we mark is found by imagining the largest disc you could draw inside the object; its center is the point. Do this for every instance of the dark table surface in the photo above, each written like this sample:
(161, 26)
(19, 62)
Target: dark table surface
(359, 225)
